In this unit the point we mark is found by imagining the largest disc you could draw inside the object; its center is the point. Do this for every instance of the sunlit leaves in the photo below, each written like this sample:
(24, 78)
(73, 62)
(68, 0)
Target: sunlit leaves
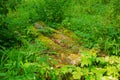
(77, 73)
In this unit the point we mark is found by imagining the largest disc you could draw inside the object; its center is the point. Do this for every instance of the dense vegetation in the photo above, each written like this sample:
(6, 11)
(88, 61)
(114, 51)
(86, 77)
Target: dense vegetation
(95, 23)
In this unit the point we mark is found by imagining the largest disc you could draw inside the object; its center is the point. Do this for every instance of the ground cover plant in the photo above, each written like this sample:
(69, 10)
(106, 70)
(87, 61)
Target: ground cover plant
(59, 40)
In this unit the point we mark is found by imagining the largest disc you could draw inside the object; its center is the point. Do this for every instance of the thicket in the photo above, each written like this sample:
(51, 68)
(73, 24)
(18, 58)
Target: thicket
(96, 23)
(17, 15)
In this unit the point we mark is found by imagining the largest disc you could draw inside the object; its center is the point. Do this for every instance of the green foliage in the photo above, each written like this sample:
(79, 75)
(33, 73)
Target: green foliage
(97, 24)
(18, 15)
(5, 34)
(92, 68)
(78, 73)
(21, 61)
(51, 11)
(11, 23)
(54, 10)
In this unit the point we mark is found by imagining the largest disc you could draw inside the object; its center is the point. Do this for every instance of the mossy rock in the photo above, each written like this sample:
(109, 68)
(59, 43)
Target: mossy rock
(69, 33)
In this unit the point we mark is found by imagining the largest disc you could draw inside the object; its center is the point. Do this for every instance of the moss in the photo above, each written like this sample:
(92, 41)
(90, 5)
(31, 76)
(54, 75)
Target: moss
(66, 42)
(69, 34)
(48, 42)
(59, 41)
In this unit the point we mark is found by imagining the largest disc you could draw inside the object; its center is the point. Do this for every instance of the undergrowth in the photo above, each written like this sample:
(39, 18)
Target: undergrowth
(96, 23)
